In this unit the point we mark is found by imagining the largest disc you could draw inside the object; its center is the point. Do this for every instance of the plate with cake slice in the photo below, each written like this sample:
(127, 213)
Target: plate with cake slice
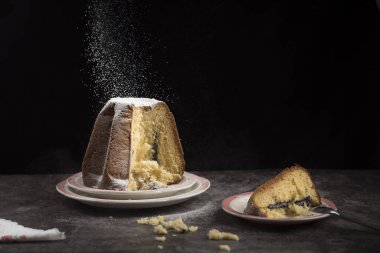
(285, 199)
(188, 180)
(134, 159)
(236, 205)
(201, 185)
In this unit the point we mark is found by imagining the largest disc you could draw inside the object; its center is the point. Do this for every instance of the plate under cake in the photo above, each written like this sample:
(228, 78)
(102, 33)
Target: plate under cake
(188, 180)
(201, 185)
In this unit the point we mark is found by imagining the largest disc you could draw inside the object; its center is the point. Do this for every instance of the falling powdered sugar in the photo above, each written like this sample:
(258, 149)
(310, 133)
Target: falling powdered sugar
(118, 52)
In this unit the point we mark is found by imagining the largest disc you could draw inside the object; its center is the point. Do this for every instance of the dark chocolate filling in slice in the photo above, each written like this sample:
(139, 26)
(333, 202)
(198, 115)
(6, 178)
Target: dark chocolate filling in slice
(278, 205)
(306, 201)
(155, 147)
(284, 204)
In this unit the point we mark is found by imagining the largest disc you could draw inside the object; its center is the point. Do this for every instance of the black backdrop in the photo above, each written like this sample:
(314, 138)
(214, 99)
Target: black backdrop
(256, 85)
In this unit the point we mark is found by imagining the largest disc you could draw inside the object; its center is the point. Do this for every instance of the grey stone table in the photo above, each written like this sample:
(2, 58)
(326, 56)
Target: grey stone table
(33, 201)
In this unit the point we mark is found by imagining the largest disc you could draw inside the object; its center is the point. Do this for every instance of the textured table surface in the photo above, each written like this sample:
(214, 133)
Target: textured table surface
(33, 201)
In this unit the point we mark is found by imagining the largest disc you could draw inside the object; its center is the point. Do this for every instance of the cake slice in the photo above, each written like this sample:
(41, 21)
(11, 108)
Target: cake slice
(134, 145)
(291, 193)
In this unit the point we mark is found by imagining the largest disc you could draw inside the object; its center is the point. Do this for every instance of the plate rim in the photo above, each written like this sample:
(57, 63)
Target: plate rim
(71, 181)
(64, 189)
(228, 209)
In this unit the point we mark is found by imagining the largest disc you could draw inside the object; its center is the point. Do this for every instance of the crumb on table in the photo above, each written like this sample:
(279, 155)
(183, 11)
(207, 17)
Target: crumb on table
(215, 234)
(160, 238)
(151, 221)
(161, 224)
(193, 228)
(159, 229)
(224, 247)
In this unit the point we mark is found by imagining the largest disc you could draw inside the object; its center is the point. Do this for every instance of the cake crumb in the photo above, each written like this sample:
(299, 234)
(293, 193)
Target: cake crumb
(179, 226)
(224, 247)
(159, 229)
(161, 226)
(174, 235)
(160, 246)
(193, 228)
(154, 221)
(160, 238)
(143, 221)
(215, 234)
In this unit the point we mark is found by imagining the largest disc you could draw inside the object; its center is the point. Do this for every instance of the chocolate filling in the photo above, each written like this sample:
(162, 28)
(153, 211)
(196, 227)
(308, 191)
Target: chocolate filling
(306, 201)
(155, 147)
(301, 202)
(278, 205)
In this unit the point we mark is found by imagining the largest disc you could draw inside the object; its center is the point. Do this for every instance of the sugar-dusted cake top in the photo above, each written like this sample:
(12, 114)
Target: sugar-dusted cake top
(135, 101)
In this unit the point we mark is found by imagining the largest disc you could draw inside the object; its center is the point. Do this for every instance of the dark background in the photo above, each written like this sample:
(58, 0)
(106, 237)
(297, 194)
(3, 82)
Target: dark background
(256, 85)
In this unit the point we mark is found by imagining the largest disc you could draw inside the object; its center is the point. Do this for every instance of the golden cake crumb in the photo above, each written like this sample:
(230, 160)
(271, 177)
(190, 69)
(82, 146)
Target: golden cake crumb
(159, 229)
(151, 221)
(215, 234)
(161, 226)
(143, 221)
(160, 246)
(224, 247)
(160, 238)
(179, 226)
(156, 220)
(193, 228)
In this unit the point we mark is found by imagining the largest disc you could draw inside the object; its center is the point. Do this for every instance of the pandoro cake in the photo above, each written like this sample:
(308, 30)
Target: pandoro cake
(291, 193)
(134, 145)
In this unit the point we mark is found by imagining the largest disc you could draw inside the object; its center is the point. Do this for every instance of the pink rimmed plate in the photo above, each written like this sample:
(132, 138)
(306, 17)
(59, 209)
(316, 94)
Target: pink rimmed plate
(75, 182)
(201, 185)
(236, 204)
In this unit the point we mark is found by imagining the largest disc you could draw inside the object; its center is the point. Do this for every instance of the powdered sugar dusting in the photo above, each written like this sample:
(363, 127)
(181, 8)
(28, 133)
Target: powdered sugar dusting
(118, 52)
(135, 101)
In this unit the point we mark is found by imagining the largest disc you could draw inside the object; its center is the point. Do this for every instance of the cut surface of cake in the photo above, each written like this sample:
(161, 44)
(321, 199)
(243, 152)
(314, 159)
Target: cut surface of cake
(291, 193)
(134, 145)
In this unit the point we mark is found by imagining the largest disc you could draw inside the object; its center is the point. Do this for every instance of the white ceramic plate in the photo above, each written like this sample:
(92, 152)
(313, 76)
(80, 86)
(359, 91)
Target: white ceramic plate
(236, 204)
(76, 183)
(200, 186)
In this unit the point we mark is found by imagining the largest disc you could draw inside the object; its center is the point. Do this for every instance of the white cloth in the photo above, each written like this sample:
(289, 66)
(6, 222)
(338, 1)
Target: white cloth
(12, 232)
